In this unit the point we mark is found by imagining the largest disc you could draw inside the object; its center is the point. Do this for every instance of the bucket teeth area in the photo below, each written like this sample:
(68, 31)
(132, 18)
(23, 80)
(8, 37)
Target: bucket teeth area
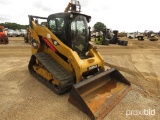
(98, 95)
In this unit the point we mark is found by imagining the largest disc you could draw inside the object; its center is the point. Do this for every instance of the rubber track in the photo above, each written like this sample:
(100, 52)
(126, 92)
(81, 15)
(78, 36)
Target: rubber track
(64, 78)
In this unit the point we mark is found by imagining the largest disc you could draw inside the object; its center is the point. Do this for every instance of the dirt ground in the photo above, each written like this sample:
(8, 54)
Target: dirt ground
(24, 98)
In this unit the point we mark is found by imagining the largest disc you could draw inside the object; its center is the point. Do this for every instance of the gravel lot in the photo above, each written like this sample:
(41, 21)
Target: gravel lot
(22, 97)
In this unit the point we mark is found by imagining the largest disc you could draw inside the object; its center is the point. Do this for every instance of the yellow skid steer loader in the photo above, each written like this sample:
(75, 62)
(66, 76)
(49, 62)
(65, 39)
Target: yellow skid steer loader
(64, 60)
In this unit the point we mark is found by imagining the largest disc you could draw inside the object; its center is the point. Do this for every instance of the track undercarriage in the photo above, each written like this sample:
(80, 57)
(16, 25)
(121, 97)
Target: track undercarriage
(41, 64)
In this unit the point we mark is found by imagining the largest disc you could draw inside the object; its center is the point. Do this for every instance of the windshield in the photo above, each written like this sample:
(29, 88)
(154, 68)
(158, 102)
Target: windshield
(79, 34)
(57, 25)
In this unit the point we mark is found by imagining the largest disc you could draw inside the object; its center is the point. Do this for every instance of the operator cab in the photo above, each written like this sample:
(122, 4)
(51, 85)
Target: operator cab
(72, 29)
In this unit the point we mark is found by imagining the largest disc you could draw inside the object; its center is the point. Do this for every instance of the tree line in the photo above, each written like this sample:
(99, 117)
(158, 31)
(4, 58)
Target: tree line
(99, 26)
(13, 26)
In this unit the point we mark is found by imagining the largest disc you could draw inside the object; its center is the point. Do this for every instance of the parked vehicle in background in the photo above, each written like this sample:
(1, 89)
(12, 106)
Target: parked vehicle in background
(11, 33)
(93, 34)
(140, 36)
(158, 33)
(23, 32)
(131, 35)
(18, 33)
(3, 36)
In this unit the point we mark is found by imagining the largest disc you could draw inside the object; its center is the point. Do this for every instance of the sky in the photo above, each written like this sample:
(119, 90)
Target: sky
(121, 15)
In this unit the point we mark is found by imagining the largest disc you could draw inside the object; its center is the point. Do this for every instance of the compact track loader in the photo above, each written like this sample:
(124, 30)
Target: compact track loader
(64, 60)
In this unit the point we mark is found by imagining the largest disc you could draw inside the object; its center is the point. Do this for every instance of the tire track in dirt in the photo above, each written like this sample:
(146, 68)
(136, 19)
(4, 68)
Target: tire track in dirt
(150, 83)
(141, 78)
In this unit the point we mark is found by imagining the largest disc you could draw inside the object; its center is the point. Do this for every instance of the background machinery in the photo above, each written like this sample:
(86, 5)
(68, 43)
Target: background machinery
(101, 39)
(105, 37)
(108, 37)
(64, 60)
(140, 36)
(3, 36)
(153, 37)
